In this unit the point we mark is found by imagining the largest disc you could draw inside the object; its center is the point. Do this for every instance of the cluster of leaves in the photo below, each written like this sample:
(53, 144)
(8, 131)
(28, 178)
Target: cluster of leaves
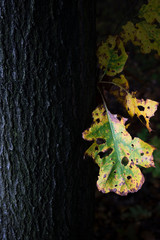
(113, 149)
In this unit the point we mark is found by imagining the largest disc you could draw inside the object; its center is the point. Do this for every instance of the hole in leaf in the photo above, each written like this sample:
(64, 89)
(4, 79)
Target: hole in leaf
(115, 171)
(132, 146)
(106, 153)
(96, 148)
(97, 120)
(115, 185)
(129, 177)
(142, 119)
(141, 108)
(130, 166)
(100, 141)
(148, 107)
(142, 154)
(104, 113)
(125, 161)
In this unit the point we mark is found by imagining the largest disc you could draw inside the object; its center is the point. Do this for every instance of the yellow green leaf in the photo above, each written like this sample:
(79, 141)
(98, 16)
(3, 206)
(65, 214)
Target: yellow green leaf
(112, 56)
(151, 11)
(129, 32)
(142, 34)
(117, 154)
(147, 37)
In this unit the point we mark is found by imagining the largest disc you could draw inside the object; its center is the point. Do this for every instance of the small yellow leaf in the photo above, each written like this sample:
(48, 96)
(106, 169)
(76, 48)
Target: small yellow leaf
(122, 81)
(134, 106)
(120, 88)
(140, 107)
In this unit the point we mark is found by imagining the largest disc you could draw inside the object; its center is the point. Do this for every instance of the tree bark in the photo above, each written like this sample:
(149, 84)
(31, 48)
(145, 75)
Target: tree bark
(47, 93)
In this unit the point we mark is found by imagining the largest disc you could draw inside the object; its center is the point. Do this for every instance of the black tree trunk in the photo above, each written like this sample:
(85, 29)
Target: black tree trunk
(47, 92)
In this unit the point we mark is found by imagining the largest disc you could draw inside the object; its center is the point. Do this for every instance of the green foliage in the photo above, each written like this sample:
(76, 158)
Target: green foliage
(113, 149)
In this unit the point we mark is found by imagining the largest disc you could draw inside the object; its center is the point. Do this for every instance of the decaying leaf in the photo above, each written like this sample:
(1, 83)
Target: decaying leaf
(144, 35)
(112, 56)
(120, 88)
(129, 32)
(147, 37)
(140, 107)
(151, 11)
(117, 154)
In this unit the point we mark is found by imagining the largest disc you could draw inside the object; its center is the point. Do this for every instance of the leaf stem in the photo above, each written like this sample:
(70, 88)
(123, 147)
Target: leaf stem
(115, 85)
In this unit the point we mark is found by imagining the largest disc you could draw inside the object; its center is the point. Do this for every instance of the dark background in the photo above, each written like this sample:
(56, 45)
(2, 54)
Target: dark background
(136, 216)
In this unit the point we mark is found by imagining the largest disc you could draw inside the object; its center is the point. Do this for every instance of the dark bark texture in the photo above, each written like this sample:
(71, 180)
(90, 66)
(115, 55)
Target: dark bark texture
(47, 92)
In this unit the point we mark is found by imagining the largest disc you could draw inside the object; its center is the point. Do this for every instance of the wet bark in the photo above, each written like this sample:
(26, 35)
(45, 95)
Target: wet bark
(47, 92)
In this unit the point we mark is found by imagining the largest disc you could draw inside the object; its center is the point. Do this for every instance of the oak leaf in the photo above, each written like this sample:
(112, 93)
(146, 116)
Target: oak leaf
(116, 153)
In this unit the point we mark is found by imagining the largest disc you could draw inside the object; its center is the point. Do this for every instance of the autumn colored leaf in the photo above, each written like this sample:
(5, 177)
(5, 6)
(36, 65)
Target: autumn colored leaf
(128, 33)
(147, 37)
(144, 35)
(117, 154)
(140, 107)
(151, 11)
(120, 88)
(112, 56)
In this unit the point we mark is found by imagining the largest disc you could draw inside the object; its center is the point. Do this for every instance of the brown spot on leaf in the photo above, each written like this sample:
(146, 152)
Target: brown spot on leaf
(125, 161)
